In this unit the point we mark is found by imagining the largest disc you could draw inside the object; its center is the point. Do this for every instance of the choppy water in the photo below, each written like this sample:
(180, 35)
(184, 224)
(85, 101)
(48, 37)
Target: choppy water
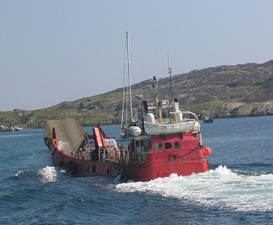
(237, 190)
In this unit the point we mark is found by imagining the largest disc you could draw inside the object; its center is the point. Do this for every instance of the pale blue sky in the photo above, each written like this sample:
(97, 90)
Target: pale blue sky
(63, 50)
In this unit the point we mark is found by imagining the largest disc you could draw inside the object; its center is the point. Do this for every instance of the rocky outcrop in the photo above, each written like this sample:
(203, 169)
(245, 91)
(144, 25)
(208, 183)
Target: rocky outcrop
(238, 109)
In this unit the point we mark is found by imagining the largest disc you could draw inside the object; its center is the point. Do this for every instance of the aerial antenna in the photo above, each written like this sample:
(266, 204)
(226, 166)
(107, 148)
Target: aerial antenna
(170, 73)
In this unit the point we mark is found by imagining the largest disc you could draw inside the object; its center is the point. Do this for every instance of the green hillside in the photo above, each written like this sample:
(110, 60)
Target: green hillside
(222, 91)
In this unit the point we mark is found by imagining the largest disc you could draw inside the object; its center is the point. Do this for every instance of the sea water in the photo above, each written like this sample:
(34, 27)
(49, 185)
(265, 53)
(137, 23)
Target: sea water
(238, 188)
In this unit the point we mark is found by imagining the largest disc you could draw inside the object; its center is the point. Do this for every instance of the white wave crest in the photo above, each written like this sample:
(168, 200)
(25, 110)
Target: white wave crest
(48, 174)
(216, 188)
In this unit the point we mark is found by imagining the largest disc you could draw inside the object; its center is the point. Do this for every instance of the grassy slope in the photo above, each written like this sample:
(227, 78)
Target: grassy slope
(223, 91)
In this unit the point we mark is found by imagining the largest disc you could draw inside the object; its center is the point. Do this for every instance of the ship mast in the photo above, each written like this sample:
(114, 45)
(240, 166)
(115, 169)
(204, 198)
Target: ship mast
(127, 109)
(129, 76)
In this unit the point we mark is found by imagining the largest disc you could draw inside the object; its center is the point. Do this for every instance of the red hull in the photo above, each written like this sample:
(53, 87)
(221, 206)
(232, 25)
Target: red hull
(182, 162)
(79, 167)
(185, 168)
(148, 156)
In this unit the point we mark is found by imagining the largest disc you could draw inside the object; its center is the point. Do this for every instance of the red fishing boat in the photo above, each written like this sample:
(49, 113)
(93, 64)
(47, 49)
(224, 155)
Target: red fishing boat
(162, 140)
(172, 143)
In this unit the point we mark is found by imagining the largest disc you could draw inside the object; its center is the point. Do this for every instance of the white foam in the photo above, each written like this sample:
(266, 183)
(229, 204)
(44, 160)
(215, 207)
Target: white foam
(219, 188)
(48, 174)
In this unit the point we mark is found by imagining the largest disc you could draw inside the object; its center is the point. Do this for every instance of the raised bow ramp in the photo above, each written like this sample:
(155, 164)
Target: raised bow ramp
(69, 134)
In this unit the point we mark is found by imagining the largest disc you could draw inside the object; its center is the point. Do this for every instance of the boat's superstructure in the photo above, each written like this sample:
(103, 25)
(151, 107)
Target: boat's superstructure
(170, 141)
(176, 122)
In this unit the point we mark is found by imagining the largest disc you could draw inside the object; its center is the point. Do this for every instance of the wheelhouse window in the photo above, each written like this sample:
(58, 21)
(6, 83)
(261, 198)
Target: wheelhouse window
(177, 144)
(158, 146)
(147, 144)
(168, 145)
(144, 145)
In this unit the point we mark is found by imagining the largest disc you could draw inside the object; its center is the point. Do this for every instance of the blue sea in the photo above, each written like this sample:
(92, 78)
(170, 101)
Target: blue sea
(238, 188)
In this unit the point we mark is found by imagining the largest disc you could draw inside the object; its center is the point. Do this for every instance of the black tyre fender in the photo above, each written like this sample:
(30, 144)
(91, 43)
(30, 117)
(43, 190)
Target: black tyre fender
(72, 167)
(62, 164)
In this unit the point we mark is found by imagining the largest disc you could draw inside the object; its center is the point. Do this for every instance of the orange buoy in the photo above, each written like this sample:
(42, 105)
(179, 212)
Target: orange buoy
(207, 150)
